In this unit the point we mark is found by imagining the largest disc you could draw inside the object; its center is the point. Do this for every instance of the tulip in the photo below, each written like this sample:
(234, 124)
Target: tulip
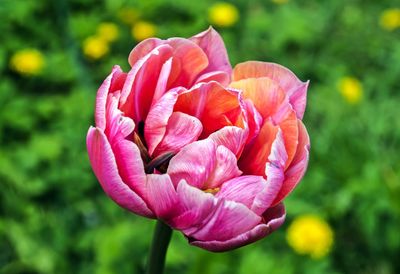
(209, 150)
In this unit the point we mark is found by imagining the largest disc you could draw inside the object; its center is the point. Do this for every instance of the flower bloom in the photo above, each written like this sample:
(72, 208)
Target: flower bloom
(351, 89)
(27, 61)
(108, 31)
(309, 234)
(223, 14)
(210, 150)
(390, 19)
(143, 30)
(95, 47)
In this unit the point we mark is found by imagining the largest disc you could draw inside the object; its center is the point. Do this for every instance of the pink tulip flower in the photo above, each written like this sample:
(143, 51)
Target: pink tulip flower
(209, 150)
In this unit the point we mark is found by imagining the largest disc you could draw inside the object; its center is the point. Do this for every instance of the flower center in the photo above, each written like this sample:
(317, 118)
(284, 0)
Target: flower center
(212, 190)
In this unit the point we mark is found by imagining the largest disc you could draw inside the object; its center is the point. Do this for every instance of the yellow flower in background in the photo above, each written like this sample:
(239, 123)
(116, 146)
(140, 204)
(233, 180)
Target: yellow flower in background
(223, 14)
(27, 61)
(351, 89)
(279, 2)
(108, 31)
(142, 30)
(310, 235)
(390, 19)
(128, 15)
(95, 47)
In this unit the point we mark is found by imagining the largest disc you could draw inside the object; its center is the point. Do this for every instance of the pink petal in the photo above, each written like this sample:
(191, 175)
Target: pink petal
(242, 189)
(213, 46)
(110, 84)
(196, 208)
(233, 138)
(162, 196)
(225, 168)
(105, 168)
(142, 49)
(295, 89)
(157, 119)
(162, 80)
(141, 82)
(229, 220)
(298, 166)
(188, 166)
(130, 166)
(274, 218)
(218, 76)
(190, 59)
(182, 129)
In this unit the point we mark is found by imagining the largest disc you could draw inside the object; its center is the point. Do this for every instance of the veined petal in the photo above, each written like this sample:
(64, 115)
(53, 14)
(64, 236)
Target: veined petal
(182, 129)
(157, 119)
(191, 60)
(295, 89)
(255, 155)
(213, 105)
(162, 196)
(196, 208)
(274, 218)
(141, 82)
(254, 120)
(265, 94)
(213, 46)
(229, 220)
(225, 168)
(231, 137)
(105, 168)
(142, 49)
(242, 189)
(130, 166)
(217, 76)
(298, 166)
(274, 171)
(188, 166)
(112, 83)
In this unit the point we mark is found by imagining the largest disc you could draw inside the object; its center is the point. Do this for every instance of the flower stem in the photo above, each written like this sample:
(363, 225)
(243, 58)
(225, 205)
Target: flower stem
(159, 246)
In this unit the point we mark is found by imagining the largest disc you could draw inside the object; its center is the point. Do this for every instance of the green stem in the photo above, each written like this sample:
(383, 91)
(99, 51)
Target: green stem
(159, 246)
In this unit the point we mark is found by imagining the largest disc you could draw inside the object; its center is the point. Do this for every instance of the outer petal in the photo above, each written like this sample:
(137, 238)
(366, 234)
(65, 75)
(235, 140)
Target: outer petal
(105, 168)
(189, 59)
(112, 83)
(296, 89)
(213, 45)
(188, 166)
(182, 129)
(203, 164)
(217, 76)
(196, 206)
(242, 189)
(274, 218)
(225, 168)
(298, 166)
(141, 82)
(142, 49)
(265, 93)
(162, 196)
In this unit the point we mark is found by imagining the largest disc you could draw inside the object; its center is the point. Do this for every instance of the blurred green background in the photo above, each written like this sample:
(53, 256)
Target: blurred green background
(54, 217)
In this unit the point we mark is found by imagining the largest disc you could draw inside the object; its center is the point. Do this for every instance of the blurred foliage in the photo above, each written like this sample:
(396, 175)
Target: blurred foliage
(56, 219)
